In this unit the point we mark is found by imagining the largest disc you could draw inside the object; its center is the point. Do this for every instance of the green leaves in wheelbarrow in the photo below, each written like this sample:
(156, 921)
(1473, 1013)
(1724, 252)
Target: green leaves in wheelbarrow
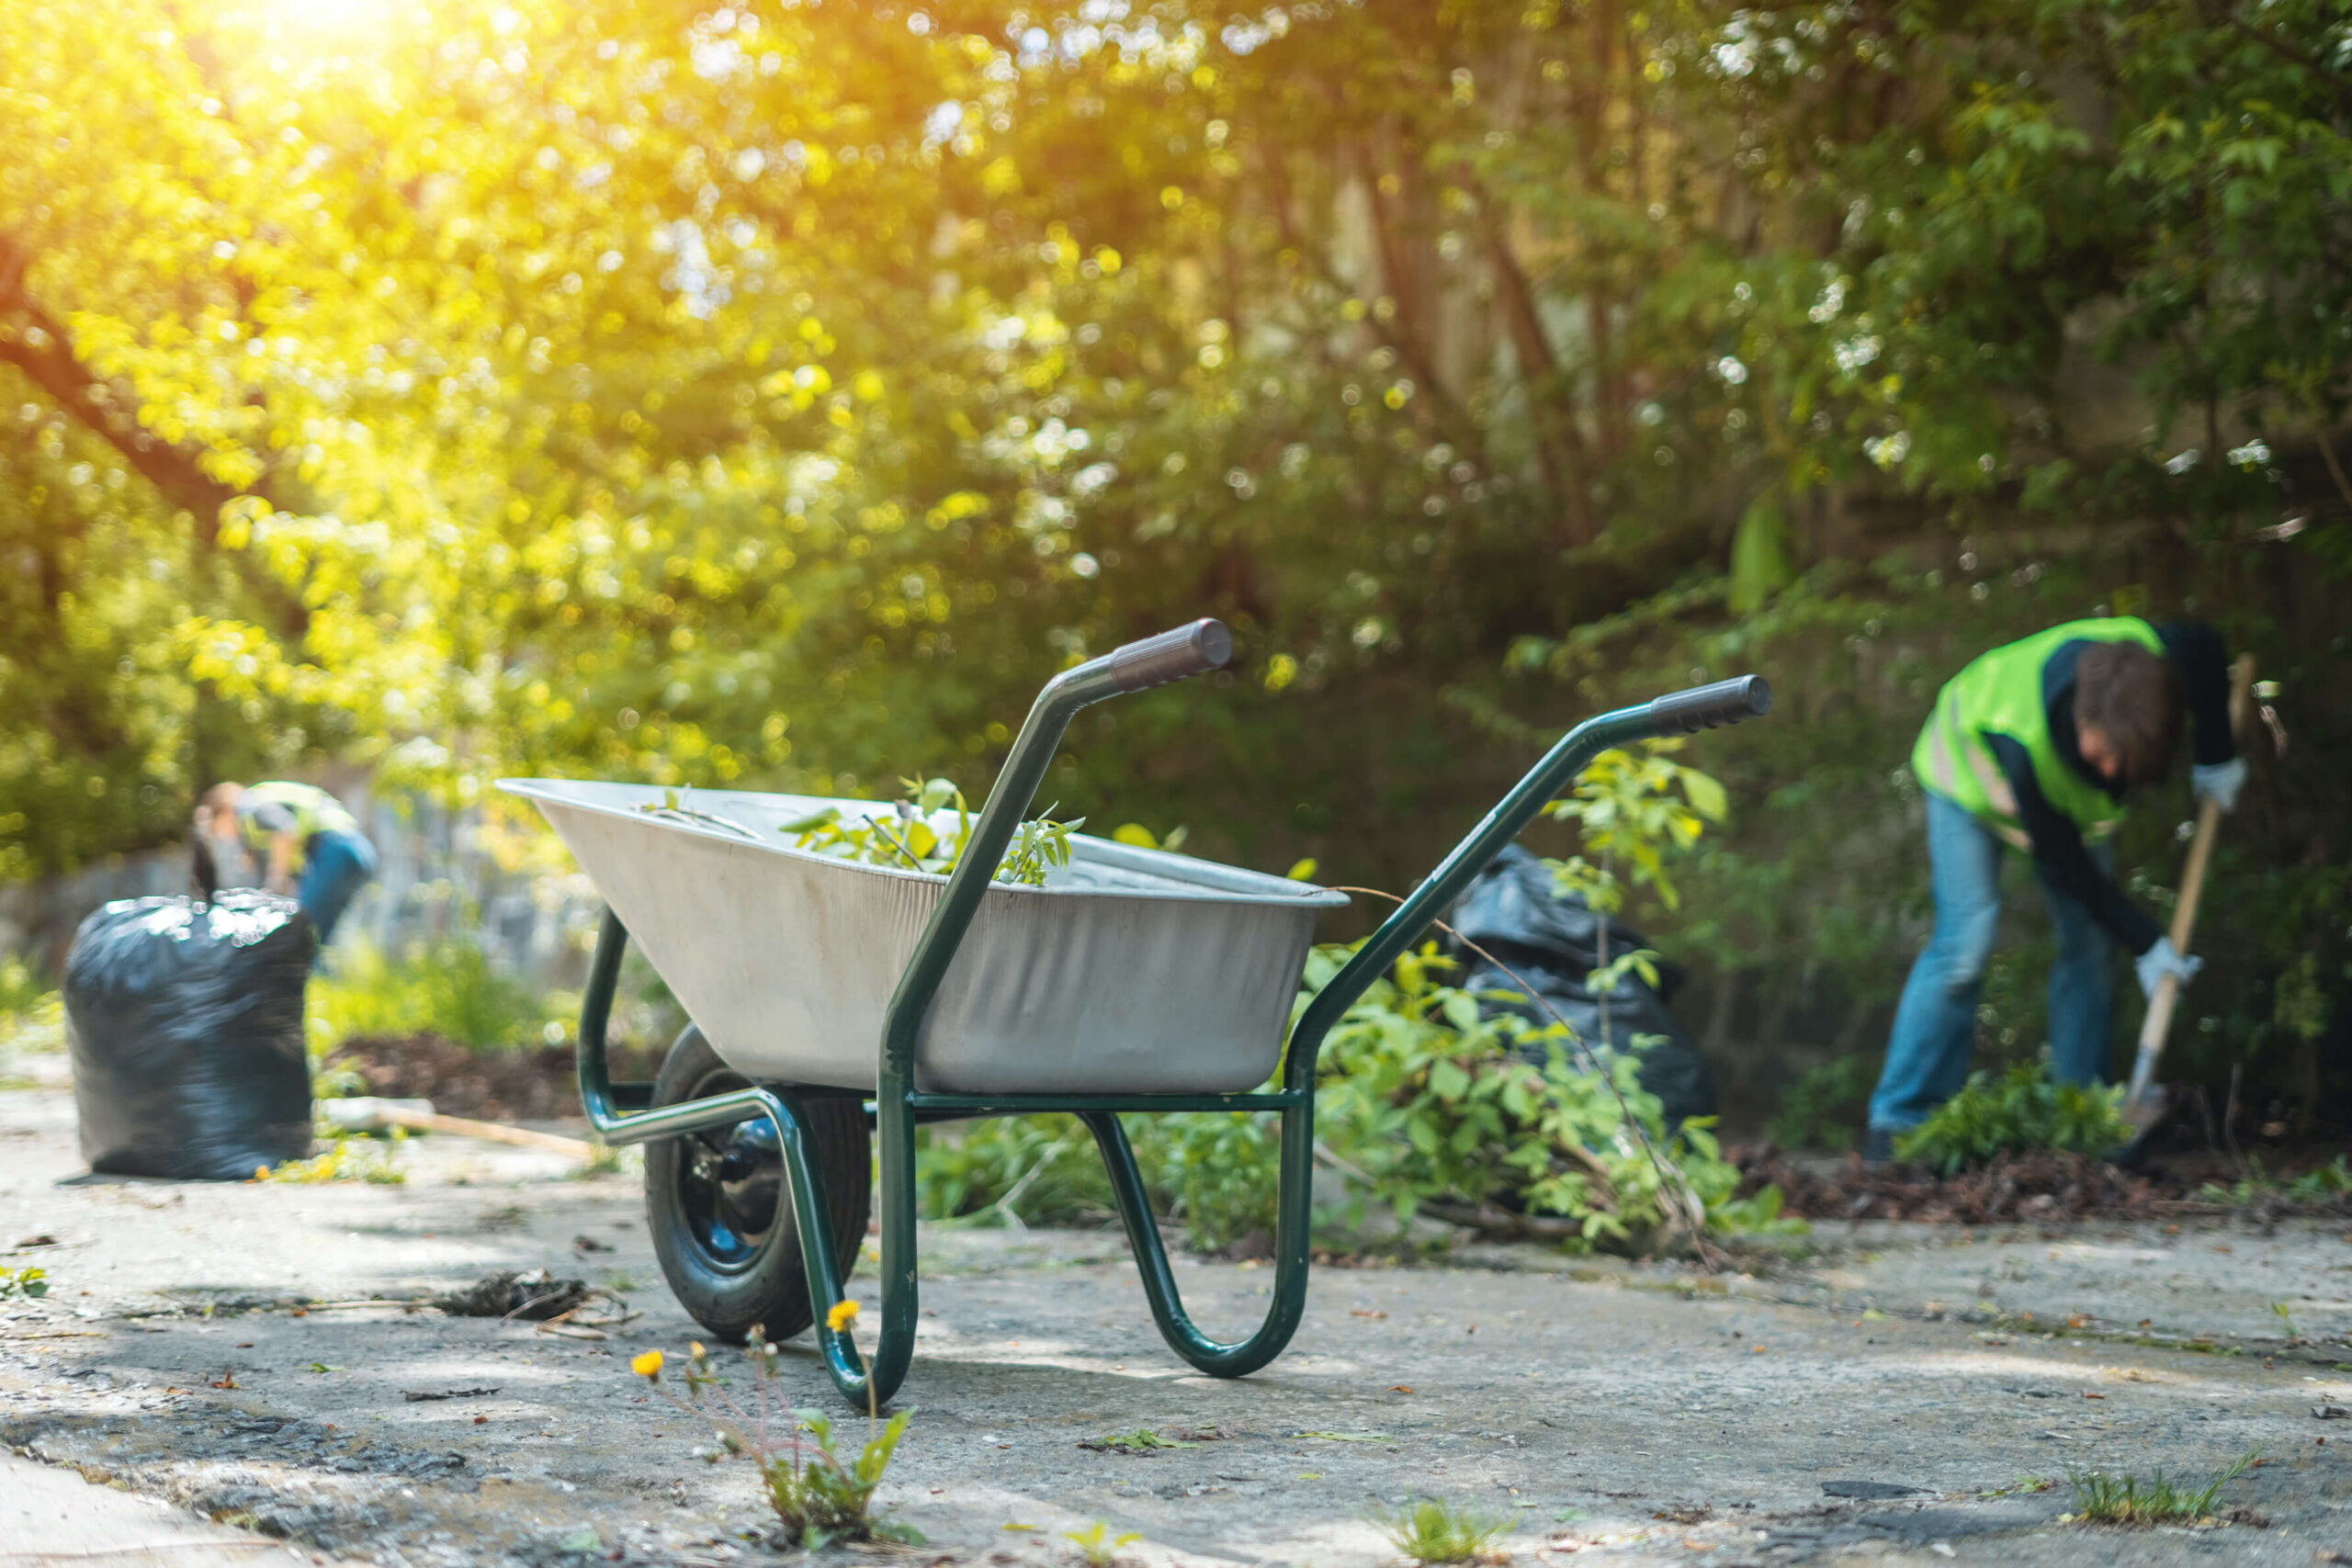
(907, 839)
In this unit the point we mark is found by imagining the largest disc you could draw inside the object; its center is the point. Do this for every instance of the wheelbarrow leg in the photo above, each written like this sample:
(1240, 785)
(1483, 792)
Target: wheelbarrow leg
(1292, 1215)
(604, 1102)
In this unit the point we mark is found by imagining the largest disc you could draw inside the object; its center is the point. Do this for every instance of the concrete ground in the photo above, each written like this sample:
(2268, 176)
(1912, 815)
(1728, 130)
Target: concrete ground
(1897, 1394)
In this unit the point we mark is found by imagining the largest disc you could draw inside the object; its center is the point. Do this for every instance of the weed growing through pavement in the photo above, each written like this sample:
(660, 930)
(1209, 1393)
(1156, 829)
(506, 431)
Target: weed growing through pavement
(818, 1496)
(25, 1282)
(2101, 1499)
(1140, 1440)
(1097, 1546)
(1436, 1531)
(357, 1158)
(2287, 1315)
(603, 1159)
(2023, 1484)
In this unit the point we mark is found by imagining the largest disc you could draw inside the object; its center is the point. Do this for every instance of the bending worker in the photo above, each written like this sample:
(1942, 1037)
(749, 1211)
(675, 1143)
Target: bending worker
(295, 830)
(2034, 746)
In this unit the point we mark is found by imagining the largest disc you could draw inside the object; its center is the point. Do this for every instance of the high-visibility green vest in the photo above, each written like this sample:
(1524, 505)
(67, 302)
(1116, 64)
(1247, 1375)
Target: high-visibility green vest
(314, 810)
(2001, 692)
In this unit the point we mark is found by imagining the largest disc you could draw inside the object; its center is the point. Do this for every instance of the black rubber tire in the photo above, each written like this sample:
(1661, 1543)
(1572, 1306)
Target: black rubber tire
(708, 1194)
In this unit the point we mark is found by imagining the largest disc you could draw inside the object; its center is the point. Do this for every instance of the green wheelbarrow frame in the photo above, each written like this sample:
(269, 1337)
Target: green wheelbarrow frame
(624, 1112)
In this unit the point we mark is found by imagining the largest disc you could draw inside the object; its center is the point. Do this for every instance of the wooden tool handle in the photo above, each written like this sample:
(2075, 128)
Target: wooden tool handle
(2153, 1028)
(432, 1121)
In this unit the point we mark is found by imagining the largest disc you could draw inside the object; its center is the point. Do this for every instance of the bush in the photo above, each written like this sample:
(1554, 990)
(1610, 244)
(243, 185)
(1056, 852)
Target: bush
(32, 1016)
(1428, 1101)
(2023, 1108)
(1420, 1101)
(1215, 1171)
(447, 987)
(1823, 1109)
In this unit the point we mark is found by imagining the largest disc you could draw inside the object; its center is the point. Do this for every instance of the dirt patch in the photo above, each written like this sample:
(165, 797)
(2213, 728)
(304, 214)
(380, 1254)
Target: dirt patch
(2040, 1185)
(2036, 1185)
(524, 1084)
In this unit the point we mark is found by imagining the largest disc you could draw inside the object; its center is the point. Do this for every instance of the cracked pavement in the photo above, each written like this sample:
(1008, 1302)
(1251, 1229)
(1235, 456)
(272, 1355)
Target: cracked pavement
(1892, 1395)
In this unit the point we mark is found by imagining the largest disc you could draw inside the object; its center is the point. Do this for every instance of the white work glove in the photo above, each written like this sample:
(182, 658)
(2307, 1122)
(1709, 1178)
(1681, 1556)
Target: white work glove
(2219, 781)
(2163, 959)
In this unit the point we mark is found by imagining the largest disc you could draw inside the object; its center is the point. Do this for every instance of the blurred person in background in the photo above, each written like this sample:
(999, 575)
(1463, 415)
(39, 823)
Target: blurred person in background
(304, 842)
(2033, 748)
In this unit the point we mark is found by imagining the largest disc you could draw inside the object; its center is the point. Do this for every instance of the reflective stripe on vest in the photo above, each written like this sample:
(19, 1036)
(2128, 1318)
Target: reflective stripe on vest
(1942, 775)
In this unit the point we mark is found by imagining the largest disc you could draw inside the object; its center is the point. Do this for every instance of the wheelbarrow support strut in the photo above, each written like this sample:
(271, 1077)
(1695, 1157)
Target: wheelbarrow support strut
(621, 1112)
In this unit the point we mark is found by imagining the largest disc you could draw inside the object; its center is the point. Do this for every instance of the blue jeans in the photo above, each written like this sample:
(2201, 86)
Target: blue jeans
(1926, 1058)
(335, 867)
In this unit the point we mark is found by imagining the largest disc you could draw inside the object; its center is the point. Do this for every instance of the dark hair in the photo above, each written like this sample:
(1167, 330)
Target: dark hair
(2133, 696)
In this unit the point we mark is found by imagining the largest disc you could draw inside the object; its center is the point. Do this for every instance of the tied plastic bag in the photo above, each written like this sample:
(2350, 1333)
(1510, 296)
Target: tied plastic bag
(185, 1022)
(1553, 941)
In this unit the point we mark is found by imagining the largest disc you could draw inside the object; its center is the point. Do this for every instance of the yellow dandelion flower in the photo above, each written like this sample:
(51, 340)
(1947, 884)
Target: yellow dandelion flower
(694, 1349)
(843, 1313)
(648, 1365)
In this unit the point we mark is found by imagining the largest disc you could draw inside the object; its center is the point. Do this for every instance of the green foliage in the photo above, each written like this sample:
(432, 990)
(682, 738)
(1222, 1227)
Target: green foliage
(347, 1157)
(1419, 1100)
(1012, 1170)
(1823, 1109)
(30, 1283)
(914, 836)
(1143, 1439)
(1215, 1171)
(2023, 1108)
(20, 991)
(2103, 1499)
(1437, 1530)
(367, 403)
(1096, 1546)
(32, 1015)
(820, 1497)
(2314, 1186)
(446, 986)
(1635, 810)
(1135, 833)
(1426, 1101)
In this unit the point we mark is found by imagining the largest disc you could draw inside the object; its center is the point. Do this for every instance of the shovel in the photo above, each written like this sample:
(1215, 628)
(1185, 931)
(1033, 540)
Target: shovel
(2143, 1103)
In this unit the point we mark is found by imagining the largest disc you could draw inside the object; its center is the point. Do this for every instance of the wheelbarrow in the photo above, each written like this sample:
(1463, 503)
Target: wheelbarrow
(837, 1003)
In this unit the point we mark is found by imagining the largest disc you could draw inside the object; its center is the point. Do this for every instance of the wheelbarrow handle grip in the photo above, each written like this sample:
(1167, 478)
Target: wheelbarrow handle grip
(1704, 707)
(1194, 649)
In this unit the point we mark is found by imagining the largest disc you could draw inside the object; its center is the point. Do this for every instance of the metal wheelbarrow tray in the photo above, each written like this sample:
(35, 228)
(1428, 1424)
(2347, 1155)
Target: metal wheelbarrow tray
(1130, 971)
(1133, 982)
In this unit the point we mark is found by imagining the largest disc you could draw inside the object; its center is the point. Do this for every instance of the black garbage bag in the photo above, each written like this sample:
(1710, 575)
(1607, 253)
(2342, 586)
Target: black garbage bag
(184, 1021)
(1552, 940)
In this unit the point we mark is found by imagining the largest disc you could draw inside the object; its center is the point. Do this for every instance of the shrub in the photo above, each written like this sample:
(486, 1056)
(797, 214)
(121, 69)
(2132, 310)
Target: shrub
(1428, 1101)
(2023, 1108)
(1420, 1100)
(447, 987)
(1823, 1108)
(32, 1015)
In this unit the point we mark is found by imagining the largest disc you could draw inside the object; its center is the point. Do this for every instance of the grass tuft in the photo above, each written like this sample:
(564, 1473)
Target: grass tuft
(2101, 1499)
(1436, 1531)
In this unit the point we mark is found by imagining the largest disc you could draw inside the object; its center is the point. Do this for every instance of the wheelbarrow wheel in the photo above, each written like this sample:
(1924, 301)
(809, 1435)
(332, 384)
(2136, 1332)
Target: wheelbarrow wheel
(721, 1213)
